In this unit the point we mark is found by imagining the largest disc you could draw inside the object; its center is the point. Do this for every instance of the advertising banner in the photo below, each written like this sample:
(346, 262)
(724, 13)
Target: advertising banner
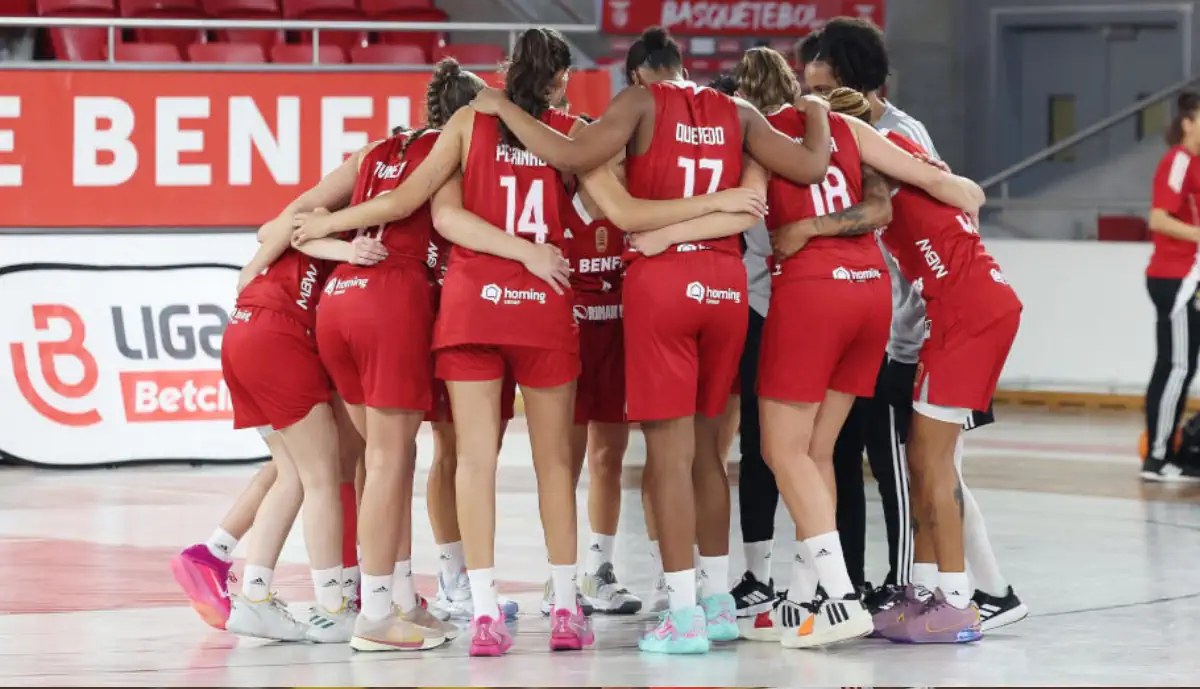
(111, 348)
(764, 18)
(195, 149)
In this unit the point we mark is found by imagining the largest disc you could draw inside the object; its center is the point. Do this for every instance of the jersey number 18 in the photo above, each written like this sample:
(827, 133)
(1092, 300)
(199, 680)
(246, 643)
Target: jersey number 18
(833, 194)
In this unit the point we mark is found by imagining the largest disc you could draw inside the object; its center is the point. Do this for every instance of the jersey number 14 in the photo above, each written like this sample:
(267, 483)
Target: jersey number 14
(532, 217)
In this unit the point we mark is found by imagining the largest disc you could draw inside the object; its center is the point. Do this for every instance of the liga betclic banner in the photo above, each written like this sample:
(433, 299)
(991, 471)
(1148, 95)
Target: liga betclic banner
(128, 149)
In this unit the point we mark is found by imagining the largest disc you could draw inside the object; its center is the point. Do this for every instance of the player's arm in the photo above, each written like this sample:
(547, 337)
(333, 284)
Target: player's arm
(712, 226)
(334, 191)
(1164, 223)
(895, 162)
(594, 145)
(443, 160)
(802, 163)
(1167, 199)
(873, 212)
(632, 214)
(273, 241)
(363, 251)
(465, 229)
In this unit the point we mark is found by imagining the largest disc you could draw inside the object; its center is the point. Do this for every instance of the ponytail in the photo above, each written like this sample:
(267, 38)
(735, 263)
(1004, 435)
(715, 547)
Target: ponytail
(537, 59)
(655, 50)
(450, 89)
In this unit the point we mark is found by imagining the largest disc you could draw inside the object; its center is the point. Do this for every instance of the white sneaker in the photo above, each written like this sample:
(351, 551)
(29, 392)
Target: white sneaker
(325, 627)
(454, 602)
(606, 595)
(548, 602)
(267, 619)
(659, 601)
(829, 622)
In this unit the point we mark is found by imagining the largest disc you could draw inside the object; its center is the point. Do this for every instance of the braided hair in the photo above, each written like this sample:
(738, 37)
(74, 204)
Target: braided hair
(450, 89)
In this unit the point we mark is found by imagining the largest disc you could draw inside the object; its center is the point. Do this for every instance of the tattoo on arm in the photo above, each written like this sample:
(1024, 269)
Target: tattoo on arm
(859, 219)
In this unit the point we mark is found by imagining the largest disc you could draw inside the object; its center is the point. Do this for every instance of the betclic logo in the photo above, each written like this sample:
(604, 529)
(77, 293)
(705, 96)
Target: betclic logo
(114, 357)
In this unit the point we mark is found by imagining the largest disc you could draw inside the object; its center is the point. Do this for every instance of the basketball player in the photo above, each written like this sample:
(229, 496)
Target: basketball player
(680, 368)
(852, 53)
(1172, 278)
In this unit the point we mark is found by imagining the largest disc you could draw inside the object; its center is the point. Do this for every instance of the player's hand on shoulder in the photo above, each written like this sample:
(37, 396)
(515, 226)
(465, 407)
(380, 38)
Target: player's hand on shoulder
(741, 200)
(812, 103)
(488, 101)
(368, 251)
(309, 226)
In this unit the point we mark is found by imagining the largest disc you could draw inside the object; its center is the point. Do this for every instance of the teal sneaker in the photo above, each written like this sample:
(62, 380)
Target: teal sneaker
(720, 611)
(679, 632)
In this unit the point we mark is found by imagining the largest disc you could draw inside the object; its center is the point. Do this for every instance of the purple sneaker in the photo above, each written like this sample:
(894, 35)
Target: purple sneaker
(938, 623)
(204, 578)
(901, 603)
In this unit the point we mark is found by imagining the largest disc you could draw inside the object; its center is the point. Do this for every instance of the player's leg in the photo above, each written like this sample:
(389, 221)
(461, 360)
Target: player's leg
(607, 443)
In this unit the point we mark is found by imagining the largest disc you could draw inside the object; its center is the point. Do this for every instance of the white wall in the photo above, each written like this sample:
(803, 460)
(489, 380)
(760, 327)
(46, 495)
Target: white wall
(1088, 323)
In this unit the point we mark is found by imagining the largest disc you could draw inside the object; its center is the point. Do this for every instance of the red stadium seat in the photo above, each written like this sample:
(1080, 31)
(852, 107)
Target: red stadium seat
(379, 54)
(380, 8)
(165, 9)
(428, 41)
(147, 52)
(17, 8)
(1121, 228)
(302, 54)
(260, 10)
(78, 45)
(473, 54)
(331, 10)
(242, 53)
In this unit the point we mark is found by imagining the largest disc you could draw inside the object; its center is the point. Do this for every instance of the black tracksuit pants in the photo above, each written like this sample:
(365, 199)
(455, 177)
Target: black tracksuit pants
(1177, 334)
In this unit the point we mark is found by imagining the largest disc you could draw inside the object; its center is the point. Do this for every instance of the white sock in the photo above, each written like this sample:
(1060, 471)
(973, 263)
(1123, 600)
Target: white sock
(404, 591)
(256, 583)
(714, 575)
(350, 581)
(656, 566)
(826, 551)
(803, 587)
(483, 591)
(328, 583)
(981, 559)
(221, 544)
(758, 559)
(696, 557)
(681, 589)
(376, 596)
(955, 588)
(452, 561)
(563, 579)
(925, 576)
(600, 552)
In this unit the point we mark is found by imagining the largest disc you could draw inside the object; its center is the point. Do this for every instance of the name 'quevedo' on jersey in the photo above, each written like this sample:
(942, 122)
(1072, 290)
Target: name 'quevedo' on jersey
(699, 136)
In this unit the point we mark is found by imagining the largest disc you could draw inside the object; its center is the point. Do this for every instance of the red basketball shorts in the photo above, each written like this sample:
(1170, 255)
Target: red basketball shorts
(824, 334)
(600, 394)
(441, 412)
(271, 366)
(529, 366)
(374, 336)
(685, 325)
(960, 366)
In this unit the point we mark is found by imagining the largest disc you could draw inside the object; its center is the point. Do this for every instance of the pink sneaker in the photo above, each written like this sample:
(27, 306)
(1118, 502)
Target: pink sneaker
(570, 632)
(489, 636)
(204, 578)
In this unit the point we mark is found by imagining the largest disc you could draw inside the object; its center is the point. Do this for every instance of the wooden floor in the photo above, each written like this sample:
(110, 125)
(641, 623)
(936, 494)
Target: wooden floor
(1108, 566)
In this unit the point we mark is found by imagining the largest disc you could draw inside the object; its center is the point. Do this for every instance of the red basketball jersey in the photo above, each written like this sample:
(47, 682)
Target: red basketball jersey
(594, 249)
(696, 149)
(514, 190)
(822, 257)
(1176, 190)
(940, 252)
(291, 285)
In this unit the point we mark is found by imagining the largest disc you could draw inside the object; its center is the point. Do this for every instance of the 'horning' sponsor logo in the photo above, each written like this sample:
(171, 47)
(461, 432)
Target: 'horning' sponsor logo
(843, 273)
(497, 295)
(703, 294)
(336, 286)
(516, 156)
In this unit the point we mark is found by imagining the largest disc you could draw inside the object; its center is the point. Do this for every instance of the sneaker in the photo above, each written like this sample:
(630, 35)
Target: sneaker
(266, 619)
(999, 611)
(1165, 471)
(829, 622)
(454, 601)
(605, 594)
(352, 591)
(424, 619)
(679, 632)
(783, 615)
(753, 597)
(548, 598)
(490, 636)
(204, 578)
(720, 613)
(892, 604)
(393, 633)
(876, 599)
(659, 601)
(570, 631)
(938, 623)
(325, 627)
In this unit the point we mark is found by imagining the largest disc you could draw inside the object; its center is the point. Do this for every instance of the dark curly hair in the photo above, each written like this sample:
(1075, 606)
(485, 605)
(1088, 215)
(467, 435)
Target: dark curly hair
(808, 48)
(854, 49)
(540, 54)
(725, 83)
(450, 89)
(655, 49)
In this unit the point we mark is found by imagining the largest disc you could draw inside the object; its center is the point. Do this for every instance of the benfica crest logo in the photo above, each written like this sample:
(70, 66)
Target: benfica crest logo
(601, 240)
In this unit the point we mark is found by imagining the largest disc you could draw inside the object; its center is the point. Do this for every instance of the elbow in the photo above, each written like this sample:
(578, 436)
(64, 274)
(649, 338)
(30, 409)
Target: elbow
(442, 218)
(883, 213)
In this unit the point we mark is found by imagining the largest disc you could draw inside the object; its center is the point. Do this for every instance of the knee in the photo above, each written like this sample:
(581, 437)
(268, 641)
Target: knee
(604, 465)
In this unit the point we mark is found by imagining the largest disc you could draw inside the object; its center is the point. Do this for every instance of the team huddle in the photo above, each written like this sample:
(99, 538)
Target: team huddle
(599, 266)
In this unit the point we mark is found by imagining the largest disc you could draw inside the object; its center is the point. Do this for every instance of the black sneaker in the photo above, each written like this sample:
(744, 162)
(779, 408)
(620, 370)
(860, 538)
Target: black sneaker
(752, 596)
(1166, 471)
(999, 611)
(882, 597)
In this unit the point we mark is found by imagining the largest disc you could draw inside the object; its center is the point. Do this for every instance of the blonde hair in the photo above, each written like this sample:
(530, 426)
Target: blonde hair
(766, 80)
(849, 102)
